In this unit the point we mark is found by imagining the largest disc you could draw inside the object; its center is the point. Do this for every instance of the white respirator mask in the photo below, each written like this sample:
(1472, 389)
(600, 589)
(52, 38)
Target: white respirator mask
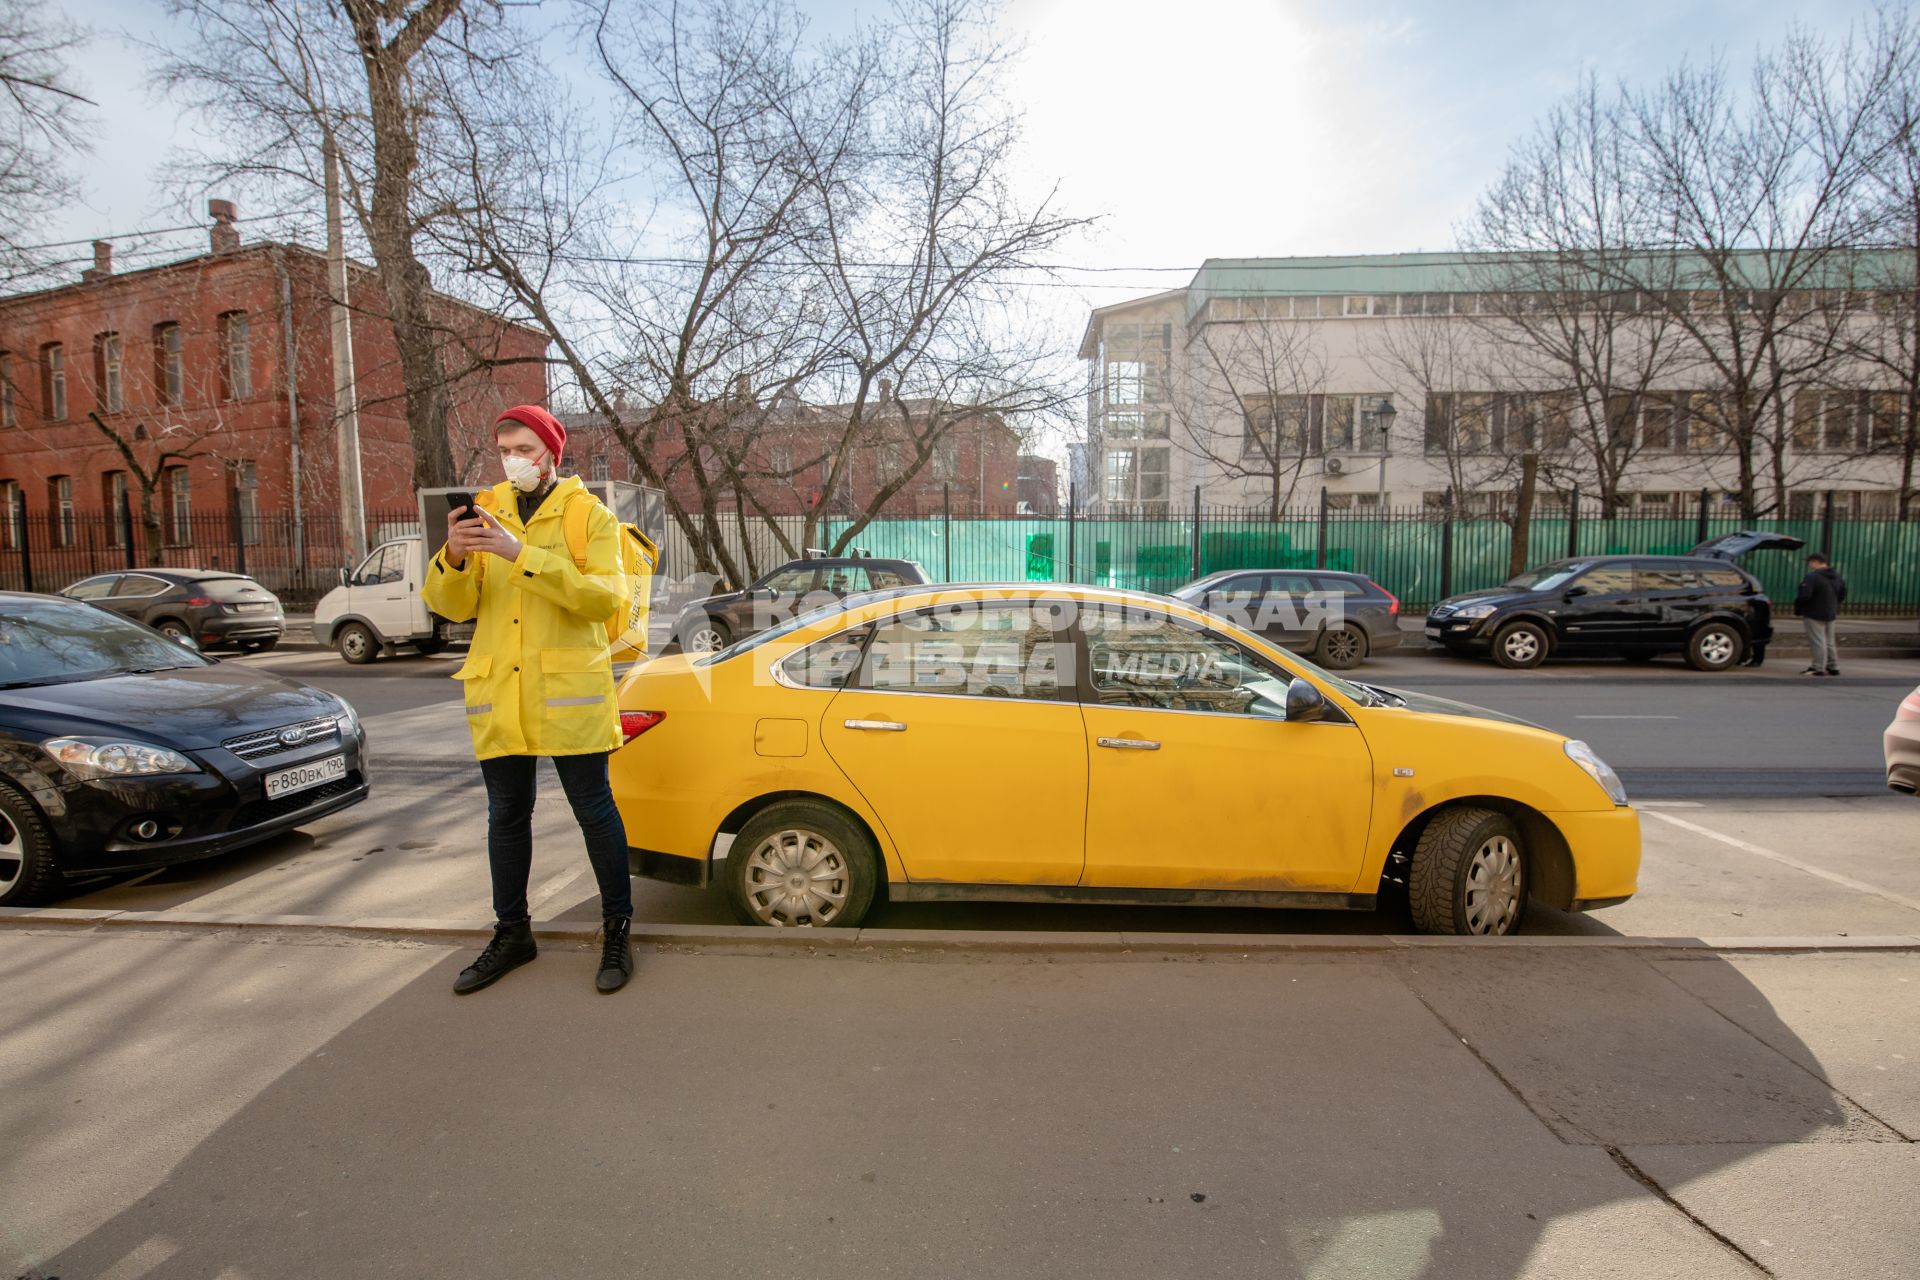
(522, 474)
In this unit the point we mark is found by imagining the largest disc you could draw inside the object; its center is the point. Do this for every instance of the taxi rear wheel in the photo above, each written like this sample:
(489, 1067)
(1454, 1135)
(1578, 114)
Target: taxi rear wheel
(802, 863)
(1469, 875)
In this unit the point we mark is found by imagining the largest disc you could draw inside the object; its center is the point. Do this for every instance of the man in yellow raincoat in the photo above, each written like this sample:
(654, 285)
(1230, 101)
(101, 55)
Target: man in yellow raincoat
(538, 680)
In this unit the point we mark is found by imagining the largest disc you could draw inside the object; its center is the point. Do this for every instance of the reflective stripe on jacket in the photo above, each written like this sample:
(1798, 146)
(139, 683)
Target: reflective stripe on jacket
(538, 678)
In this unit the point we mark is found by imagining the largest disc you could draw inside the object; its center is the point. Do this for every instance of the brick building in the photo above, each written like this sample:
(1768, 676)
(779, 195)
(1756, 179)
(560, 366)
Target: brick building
(1039, 485)
(977, 454)
(226, 358)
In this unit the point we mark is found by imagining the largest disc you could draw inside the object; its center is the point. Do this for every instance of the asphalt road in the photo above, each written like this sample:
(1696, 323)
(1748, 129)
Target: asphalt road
(1671, 732)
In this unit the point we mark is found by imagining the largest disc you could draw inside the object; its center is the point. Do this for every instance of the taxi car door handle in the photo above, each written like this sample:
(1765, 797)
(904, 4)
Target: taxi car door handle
(888, 726)
(1130, 744)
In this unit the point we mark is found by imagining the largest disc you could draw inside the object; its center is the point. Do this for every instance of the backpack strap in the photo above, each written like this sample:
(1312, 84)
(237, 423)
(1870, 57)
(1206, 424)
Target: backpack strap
(573, 521)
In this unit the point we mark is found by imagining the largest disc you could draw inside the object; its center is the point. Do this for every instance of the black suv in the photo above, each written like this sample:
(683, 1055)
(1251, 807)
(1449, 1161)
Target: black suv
(795, 587)
(1701, 605)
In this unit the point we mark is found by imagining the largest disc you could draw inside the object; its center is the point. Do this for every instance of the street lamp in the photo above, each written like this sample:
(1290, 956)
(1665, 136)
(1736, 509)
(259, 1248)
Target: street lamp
(1381, 420)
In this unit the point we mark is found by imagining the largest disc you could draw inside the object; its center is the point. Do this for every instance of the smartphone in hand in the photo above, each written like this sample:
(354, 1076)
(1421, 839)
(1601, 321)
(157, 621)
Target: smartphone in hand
(455, 501)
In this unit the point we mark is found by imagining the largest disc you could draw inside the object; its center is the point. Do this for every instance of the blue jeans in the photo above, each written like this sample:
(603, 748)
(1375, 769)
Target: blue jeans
(510, 794)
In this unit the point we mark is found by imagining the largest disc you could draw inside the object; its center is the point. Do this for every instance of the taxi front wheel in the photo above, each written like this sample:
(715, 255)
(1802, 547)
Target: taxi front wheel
(1469, 875)
(800, 862)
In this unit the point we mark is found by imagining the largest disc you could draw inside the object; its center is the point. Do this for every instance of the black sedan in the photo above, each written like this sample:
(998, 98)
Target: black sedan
(121, 749)
(794, 588)
(1337, 618)
(212, 607)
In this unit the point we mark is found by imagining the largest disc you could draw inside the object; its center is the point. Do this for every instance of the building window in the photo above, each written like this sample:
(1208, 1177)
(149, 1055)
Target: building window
(113, 498)
(108, 382)
(1276, 427)
(10, 512)
(169, 375)
(599, 468)
(60, 509)
(1463, 424)
(1137, 359)
(1663, 423)
(1137, 477)
(1840, 421)
(179, 497)
(246, 483)
(236, 362)
(9, 411)
(1336, 424)
(53, 382)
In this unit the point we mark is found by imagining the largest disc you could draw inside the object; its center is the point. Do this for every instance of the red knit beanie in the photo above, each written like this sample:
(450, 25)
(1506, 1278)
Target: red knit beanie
(542, 424)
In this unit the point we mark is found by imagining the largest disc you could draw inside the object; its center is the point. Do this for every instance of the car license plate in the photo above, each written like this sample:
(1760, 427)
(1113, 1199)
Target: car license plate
(1433, 633)
(256, 608)
(302, 777)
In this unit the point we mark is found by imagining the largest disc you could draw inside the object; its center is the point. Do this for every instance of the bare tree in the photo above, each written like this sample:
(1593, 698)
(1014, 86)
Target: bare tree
(1882, 339)
(148, 456)
(1569, 217)
(827, 217)
(1758, 208)
(43, 124)
(1258, 400)
(1477, 435)
(917, 242)
(279, 81)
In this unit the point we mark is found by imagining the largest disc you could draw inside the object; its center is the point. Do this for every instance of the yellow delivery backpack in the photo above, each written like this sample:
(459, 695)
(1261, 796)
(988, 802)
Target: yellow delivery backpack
(637, 557)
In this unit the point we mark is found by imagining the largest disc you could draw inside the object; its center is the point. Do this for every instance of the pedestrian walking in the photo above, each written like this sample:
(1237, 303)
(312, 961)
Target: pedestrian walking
(1818, 602)
(538, 680)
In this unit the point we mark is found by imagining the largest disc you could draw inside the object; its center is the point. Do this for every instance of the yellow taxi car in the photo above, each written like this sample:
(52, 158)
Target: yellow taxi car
(1040, 742)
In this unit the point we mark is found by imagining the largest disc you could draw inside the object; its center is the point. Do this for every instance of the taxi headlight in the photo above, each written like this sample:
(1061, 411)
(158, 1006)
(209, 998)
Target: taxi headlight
(1597, 769)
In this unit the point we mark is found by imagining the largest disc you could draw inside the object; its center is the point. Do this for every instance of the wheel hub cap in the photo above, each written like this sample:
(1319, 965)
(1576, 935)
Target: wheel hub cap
(797, 878)
(1493, 887)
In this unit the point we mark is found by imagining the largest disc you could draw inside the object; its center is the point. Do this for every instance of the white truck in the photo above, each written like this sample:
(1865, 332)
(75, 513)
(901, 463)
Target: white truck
(377, 606)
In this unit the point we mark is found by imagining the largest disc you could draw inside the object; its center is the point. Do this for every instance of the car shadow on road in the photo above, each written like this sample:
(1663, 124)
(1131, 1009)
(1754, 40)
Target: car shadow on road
(1473, 1114)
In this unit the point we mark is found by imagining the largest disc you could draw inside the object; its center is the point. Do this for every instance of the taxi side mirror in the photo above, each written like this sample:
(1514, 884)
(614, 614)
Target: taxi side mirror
(1304, 702)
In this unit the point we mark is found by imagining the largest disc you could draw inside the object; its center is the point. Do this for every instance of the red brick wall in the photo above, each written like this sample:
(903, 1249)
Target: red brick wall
(255, 427)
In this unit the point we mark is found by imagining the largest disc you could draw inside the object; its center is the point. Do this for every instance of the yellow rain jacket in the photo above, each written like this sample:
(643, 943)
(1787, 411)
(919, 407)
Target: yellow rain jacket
(538, 680)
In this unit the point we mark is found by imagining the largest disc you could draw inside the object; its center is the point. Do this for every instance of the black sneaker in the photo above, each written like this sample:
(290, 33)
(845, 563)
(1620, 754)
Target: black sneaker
(616, 954)
(512, 946)
(1813, 671)
(1833, 671)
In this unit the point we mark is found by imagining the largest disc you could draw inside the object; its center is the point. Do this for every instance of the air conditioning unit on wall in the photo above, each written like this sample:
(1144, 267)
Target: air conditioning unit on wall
(1335, 466)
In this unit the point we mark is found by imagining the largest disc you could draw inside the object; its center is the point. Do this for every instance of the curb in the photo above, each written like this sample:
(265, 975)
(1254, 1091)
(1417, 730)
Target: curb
(934, 941)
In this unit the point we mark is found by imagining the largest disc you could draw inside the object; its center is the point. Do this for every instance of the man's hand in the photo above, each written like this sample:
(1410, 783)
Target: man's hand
(463, 523)
(484, 534)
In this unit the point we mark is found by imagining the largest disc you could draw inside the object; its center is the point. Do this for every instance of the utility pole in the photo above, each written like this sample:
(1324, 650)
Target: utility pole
(346, 396)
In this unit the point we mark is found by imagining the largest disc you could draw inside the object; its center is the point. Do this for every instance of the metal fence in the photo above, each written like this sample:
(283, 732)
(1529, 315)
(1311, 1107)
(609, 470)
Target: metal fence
(1419, 554)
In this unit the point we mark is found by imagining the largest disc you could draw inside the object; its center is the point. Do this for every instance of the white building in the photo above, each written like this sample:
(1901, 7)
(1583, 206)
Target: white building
(1390, 379)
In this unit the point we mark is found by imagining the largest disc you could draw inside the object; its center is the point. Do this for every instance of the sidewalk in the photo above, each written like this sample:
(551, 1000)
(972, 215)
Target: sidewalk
(222, 1106)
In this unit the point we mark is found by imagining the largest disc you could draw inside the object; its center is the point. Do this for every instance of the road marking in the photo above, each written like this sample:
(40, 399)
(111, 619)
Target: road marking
(1848, 882)
(1668, 804)
(1626, 717)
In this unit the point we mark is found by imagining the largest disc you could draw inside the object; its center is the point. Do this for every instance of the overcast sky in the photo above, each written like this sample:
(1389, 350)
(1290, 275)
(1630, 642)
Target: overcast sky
(1198, 128)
